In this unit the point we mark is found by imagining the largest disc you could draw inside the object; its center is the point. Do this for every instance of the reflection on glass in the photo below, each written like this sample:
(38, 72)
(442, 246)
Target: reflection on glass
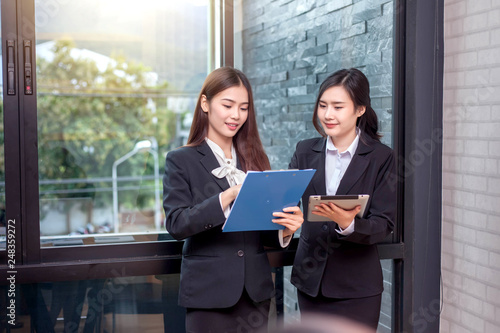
(287, 48)
(292, 311)
(121, 304)
(116, 86)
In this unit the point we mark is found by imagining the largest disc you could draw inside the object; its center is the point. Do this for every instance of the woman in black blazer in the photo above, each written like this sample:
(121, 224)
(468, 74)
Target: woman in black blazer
(337, 268)
(226, 282)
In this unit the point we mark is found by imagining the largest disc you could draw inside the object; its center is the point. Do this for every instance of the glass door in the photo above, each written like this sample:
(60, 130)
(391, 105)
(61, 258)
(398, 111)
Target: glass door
(287, 50)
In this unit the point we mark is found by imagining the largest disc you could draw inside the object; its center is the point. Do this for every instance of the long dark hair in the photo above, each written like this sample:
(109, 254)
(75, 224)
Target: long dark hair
(357, 86)
(249, 149)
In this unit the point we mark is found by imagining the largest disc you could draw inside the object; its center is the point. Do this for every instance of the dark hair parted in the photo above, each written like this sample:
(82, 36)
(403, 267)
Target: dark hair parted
(357, 86)
(247, 143)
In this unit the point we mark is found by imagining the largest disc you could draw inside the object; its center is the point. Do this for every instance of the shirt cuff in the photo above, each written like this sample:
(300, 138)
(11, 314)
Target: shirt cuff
(228, 208)
(284, 242)
(347, 231)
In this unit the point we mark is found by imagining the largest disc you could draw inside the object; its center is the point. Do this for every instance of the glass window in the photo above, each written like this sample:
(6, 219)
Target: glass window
(116, 85)
(287, 48)
(291, 307)
(117, 304)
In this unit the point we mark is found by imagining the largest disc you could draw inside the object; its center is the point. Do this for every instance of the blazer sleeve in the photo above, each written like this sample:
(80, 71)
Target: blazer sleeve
(294, 164)
(379, 221)
(187, 212)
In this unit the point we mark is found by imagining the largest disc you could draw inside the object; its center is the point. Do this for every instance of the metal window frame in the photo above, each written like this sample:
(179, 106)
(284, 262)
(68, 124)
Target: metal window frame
(423, 113)
(12, 141)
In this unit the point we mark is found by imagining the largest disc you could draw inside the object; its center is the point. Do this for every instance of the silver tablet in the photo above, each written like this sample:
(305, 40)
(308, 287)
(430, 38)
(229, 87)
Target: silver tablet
(343, 201)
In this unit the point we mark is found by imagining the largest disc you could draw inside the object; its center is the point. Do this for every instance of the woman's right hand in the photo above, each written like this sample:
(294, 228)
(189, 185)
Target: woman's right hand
(229, 195)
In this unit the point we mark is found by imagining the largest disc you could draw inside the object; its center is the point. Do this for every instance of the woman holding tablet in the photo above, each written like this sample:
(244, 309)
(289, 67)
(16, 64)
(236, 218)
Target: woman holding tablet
(226, 282)
(337, 268)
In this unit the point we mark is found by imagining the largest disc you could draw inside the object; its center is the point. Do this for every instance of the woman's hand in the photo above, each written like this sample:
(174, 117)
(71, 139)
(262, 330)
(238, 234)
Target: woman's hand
(341, 216)
(291, 218)
(229, 195)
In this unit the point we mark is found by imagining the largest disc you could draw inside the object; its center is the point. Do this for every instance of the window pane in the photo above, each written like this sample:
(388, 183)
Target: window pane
(122, 304)
(287, 48)
(292, 311)
(117, 81)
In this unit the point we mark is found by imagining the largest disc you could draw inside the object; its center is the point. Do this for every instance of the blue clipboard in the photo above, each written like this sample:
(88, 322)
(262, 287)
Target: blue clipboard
(262, 194)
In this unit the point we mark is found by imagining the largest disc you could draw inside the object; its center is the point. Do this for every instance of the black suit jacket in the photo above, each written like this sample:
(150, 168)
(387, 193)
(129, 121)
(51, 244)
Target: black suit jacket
(346, 266)
(216, 266)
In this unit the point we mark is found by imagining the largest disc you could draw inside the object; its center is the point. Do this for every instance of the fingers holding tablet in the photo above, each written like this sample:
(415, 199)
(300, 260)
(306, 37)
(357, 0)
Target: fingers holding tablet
(324, 207)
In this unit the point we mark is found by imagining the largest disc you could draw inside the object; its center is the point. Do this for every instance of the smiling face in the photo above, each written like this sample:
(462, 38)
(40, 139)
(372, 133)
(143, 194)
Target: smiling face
(338, 115)
(227, 112)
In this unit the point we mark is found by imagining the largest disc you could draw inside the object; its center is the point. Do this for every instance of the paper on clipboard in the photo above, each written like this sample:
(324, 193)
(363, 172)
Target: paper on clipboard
(263, 193)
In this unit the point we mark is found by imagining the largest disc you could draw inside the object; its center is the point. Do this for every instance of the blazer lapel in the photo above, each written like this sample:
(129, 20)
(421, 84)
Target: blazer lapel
(209, 161)
(318, 159)
(356, 168)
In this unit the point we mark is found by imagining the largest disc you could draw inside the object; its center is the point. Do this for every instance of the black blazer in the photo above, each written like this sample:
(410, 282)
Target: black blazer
(346, 266)
(216, 266)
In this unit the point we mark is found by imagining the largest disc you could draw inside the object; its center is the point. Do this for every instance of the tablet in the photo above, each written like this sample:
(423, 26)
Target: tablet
(343, 201)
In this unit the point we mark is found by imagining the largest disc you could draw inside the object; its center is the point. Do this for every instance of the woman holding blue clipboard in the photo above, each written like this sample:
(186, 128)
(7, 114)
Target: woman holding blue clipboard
(226, 282)
(337, 268)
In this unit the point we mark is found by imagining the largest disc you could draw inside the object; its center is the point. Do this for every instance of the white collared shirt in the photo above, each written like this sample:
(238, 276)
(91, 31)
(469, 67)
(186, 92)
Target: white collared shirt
(336, 164)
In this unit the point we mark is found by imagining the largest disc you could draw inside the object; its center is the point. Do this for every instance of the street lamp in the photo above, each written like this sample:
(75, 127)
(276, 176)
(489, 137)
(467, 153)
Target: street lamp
(150, 146)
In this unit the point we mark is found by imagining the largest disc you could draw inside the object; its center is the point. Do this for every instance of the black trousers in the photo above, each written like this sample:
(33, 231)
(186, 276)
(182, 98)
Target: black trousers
(362, 310)
(246, 316)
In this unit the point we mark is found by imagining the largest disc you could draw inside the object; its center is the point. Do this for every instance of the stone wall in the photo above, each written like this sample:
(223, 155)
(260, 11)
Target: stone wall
(290, 47)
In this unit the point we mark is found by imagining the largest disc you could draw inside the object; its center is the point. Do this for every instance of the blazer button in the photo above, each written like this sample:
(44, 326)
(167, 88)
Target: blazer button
(241, 253)
(208, 226)
(324, 227)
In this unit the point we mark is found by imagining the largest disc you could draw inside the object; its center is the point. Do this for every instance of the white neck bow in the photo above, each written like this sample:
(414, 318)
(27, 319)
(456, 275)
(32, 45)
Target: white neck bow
(228, 166)
(230, 171)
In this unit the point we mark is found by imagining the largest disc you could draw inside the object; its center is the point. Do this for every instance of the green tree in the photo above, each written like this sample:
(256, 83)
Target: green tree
(88, 118)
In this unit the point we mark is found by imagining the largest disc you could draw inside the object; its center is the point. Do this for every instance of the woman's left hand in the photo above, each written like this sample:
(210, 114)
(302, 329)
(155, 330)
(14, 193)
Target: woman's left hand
(341, 216)
(291, 218)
